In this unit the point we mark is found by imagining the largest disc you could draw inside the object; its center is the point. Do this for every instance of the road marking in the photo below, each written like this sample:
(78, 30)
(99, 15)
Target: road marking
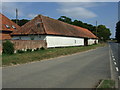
(112, 56)
(111, 68)
(119, 77)
(117, 69)
(115, 63)
(114, 59)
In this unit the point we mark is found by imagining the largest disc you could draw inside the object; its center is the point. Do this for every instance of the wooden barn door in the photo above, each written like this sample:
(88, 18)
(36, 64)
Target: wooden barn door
(85, 41)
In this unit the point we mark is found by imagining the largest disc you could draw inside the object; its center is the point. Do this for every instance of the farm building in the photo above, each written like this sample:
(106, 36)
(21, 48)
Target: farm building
(7, 27)
(54, 32)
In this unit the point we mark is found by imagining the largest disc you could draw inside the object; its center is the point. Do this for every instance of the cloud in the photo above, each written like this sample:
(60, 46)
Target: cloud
(10, 8)
(77, 10)
(31, 15)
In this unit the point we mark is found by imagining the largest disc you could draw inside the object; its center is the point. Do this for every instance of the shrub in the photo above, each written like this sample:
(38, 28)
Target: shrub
(42, 48)
(36, 49)
(8, 47)
(20, 51)
(29, 50)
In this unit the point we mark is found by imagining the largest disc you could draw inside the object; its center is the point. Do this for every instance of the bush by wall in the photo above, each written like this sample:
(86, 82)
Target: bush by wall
(8, 47)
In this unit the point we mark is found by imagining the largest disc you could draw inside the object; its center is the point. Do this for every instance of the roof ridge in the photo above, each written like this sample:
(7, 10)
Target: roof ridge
(43, 25)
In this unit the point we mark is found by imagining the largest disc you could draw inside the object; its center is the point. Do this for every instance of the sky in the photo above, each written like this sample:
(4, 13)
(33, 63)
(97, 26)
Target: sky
(105, 13)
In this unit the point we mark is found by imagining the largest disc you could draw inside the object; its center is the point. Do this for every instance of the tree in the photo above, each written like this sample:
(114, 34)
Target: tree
(21, 22)
(77, 23)
(103, 33)
(117, 36)
(65, 19)
(8, 47)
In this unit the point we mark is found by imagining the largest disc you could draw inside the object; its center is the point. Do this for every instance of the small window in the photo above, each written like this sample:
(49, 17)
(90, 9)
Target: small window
(13, 27)
(38, 25)
(7, 26)
(75, 41)
(39, 36)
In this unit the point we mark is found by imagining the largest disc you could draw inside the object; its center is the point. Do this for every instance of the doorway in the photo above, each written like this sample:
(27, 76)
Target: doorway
(85, 41)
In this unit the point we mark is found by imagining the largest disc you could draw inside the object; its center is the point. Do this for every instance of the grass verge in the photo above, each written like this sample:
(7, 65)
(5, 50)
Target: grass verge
(107, 84)
(26, 57)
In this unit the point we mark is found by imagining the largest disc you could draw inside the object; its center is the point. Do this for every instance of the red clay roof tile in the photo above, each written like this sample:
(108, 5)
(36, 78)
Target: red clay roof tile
(6, 21)
(52, 27)
(4, 31)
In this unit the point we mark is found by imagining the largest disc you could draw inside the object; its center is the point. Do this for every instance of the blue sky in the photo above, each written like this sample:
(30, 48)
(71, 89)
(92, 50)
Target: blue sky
(105, 13)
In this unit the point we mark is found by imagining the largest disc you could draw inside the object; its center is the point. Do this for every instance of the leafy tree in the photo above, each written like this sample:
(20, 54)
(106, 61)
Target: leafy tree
(103, 33)
(21, 22)
(77, 23)
(65, 19)
(117, 36)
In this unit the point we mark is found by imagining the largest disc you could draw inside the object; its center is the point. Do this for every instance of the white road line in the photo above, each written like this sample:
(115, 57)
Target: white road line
(117, 69)
(111, 67)
(115, 63)
(119, 77)
(112, 56)
(113, 59)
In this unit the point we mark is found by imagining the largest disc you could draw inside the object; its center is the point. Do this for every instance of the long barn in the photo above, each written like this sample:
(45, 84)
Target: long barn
(56, 33)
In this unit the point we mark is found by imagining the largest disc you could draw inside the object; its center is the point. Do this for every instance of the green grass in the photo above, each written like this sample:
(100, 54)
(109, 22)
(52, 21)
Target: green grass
(26, 57)
(107, 84)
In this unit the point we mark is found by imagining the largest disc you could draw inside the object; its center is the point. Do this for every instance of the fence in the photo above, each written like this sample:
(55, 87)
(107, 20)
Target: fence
(28, 44)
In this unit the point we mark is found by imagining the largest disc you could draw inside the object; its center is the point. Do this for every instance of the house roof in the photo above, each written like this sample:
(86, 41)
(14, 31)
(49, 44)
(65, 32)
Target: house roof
(45, 25)
(7, 24)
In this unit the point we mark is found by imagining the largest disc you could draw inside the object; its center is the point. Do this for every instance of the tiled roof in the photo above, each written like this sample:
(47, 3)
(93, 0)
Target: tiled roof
(5, 36)
(5, 21)
(45, 25)
(6, 27)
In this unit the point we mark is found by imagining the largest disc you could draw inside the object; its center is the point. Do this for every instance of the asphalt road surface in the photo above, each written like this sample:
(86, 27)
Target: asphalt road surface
(115, 57)
(81, 70)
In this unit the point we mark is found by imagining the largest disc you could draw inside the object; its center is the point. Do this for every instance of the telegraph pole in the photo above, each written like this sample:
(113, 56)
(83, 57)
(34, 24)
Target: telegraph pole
(96, 28)
(16, 16)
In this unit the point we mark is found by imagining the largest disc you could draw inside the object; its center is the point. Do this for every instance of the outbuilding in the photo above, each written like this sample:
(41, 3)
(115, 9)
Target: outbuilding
(6, 27)
(56, 33)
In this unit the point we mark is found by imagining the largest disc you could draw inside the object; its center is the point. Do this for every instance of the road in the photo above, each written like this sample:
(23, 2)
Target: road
(115, 57)
(81, 70)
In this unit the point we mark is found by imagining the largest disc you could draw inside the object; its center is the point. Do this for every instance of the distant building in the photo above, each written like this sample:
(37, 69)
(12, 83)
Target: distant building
(56, 33)
(6, 27)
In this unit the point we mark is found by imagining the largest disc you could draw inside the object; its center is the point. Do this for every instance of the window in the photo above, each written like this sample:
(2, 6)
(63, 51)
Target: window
(38, 24)
(7, 26)
(13, 27)
(75, 41)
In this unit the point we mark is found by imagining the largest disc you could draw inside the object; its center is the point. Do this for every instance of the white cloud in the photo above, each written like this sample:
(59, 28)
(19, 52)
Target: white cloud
(10, 8)
(31, 15)
(77, 10)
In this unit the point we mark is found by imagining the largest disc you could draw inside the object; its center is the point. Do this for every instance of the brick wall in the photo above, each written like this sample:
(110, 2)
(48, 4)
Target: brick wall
(28, 44)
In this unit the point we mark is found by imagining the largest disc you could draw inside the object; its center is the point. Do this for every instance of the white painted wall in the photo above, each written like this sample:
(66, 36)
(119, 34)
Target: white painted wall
(36, 37)
(92, 41)
(60, 41)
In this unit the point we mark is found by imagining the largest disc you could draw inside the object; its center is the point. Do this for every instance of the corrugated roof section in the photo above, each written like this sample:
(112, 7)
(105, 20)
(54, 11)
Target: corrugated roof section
(45, 25)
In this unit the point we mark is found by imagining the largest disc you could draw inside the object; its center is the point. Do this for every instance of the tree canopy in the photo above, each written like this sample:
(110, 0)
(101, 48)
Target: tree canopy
(117, 36)
(20, 22)
(103, 33)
